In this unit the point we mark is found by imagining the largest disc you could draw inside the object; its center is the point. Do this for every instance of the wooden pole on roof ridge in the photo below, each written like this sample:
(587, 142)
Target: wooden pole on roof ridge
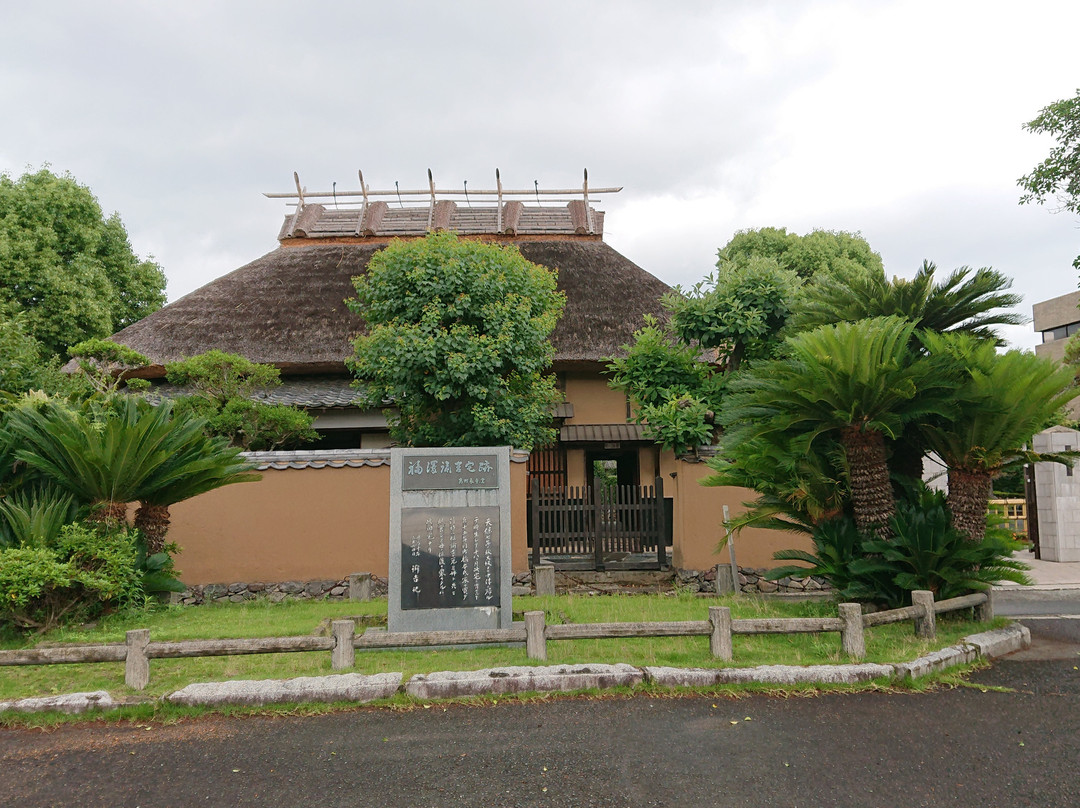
(299, 205)
(431, 204)
(498, 185)
(363, 207)
(588, 210)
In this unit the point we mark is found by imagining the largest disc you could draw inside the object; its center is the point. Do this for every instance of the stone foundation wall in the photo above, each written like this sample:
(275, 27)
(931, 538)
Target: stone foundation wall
(275, 592)
(751, 581)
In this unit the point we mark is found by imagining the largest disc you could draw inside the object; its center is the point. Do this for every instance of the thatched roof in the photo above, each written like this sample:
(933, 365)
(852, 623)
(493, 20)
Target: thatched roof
(287, 307)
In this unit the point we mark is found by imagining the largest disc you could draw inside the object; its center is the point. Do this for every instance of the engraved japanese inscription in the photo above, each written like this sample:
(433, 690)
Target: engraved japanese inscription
(443, 471)
(450, 557)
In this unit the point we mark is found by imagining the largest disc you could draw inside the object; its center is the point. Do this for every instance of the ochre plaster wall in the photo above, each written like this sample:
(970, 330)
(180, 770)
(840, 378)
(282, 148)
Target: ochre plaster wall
(303, 524)
(594, 402)
(699, 512)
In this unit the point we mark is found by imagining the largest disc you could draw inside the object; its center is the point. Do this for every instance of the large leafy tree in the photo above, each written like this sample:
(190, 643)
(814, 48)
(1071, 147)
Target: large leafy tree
(817, 251)
(739, 313)
(458, 340)
(68, 267)
(1058, 176)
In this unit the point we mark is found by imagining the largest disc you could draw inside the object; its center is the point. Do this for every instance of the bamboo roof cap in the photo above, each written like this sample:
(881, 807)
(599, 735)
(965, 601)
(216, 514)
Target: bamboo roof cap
(366, 213)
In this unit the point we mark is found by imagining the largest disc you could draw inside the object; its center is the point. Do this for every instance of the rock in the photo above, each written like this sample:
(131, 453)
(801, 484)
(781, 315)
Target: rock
(338, 687)
(338, 591)
(316, 588)
(517, 679)
(766, 586)
(236, 598)
(214, 591)
(291, 587)
(69, 703)
(257, 587)
(277, 597)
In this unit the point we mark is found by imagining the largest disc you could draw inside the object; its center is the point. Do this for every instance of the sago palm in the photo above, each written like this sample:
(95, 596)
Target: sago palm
(104, 461)
(856, 382)
(1001, 401)
(967, 301)
(197, 464)
(130, 452)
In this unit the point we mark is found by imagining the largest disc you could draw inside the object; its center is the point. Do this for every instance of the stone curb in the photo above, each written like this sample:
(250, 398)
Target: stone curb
(767, 674)
(71, 703)
(338, 687)
(520, 679)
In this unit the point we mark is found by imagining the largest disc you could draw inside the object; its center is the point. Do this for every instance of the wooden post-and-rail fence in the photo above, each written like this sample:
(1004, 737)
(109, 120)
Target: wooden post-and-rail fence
(137, 650)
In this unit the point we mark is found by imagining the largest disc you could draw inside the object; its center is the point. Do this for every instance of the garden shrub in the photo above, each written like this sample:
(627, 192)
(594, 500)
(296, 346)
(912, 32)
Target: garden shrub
(88, 571)
(925, 552)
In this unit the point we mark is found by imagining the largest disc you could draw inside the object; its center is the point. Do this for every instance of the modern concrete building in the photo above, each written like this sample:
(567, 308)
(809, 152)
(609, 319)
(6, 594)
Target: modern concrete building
(1057, 319)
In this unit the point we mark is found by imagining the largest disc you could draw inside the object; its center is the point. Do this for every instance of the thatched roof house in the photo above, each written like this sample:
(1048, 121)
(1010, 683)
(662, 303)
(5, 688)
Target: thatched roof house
(288, 309)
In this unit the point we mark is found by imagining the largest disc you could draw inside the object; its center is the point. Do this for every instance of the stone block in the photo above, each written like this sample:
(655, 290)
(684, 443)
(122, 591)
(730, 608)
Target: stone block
(520, 679)
(1000, 641)
(768, 674)
(339, 687)
(70, 703)
(937, 661)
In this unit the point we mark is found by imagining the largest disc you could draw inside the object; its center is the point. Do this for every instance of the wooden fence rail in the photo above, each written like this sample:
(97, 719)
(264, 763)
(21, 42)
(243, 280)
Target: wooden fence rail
(137, 650)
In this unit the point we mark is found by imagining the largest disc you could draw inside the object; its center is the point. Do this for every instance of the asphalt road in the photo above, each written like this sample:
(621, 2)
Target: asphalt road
(971, 746)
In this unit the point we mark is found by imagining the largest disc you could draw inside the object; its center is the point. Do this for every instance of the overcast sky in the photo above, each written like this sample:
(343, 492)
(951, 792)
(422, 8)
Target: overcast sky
(900, 120)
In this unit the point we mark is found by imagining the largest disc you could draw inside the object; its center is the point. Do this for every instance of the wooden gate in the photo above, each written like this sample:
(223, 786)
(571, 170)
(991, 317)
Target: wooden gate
(599, 527)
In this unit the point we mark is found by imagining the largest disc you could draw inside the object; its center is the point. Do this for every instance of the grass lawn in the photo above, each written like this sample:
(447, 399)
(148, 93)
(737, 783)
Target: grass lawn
(894, 643)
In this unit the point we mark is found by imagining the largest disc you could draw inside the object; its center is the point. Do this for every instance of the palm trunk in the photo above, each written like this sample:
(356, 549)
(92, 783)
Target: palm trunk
(112, 514)
(153, 521)
(969, 492)
(868, 475)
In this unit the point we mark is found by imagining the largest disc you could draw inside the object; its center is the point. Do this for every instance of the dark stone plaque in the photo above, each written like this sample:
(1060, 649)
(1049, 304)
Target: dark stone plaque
(450, 557)
(444, 471)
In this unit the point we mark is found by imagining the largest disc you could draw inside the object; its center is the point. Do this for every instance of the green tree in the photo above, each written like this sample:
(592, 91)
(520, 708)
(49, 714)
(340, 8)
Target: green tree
(23, 365)
(817, 251)
(458, 339)
(65, 265)
(739, 313)
(1058, 175)
(223, 388)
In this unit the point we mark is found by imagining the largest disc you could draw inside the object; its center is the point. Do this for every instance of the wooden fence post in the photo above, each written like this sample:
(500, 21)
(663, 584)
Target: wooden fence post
(136, 663)
(852, 641)
(984, 612)
(720, 639)
(344, 654)
(535, 641)
(925, 626)
(360, 586)
(544, 578)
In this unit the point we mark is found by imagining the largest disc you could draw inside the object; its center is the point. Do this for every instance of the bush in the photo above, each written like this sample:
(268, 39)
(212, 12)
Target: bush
(925, 552)
(87, 572)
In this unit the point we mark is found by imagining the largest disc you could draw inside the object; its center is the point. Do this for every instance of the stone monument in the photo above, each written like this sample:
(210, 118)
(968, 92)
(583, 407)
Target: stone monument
(449, 539)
